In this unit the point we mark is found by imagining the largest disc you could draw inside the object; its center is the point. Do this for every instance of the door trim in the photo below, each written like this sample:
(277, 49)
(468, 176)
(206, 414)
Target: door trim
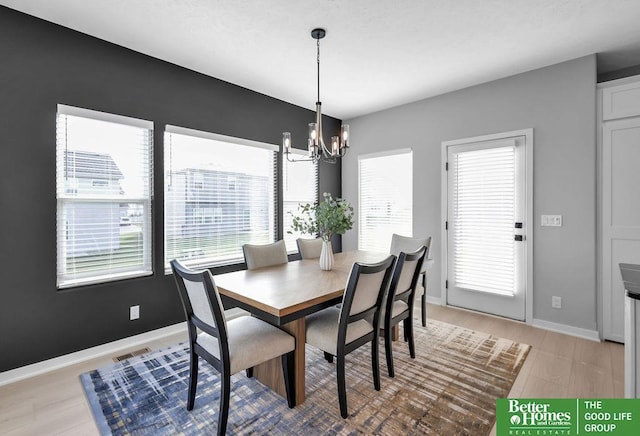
(528, 134)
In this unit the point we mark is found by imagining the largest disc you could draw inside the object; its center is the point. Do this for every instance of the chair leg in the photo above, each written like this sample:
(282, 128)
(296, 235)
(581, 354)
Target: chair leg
(223, 415)
(328, 357)
(424, 302)
(342, 391)
(375, 363)
(249, 372)
(389, 351)
(193, 379)
(288, 369)
(408, 328)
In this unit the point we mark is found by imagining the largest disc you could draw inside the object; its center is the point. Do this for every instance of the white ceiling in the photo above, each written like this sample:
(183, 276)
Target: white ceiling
(377, 53)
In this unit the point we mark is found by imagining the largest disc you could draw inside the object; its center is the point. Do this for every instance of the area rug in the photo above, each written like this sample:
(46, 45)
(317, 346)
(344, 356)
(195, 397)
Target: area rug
(450, 388)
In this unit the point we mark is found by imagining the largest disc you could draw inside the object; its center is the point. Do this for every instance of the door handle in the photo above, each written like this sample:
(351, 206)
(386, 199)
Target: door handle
(518, 237)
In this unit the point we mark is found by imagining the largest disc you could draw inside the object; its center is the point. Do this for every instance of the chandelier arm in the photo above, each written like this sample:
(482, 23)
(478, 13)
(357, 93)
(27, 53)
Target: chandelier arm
(300, 160)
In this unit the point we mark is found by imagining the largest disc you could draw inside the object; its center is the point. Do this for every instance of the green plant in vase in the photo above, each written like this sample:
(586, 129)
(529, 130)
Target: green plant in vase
(332, 216)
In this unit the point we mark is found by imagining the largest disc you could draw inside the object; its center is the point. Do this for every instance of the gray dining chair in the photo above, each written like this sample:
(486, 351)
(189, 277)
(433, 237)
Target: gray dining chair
(398, 306)
(263, 255)
(339, 331)
(228, 345)
(403, 243)
(309, 248)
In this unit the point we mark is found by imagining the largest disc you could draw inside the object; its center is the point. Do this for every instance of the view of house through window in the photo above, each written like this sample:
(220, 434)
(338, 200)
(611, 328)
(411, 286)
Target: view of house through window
(299, 187)
(103, 192)
(385, 184)
(220, 193)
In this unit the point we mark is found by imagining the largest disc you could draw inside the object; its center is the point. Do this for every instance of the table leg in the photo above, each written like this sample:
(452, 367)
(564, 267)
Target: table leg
(270, 372)
(395, 332)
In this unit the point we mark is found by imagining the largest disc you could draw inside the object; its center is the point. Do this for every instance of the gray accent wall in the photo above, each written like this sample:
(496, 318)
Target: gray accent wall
(42, 65)
(559, 103)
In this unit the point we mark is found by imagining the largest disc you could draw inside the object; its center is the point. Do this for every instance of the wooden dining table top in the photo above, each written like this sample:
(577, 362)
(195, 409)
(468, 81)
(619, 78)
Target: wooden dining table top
(284, 292)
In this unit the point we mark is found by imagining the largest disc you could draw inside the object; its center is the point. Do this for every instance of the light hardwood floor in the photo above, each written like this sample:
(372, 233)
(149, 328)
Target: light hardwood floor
(557, 366)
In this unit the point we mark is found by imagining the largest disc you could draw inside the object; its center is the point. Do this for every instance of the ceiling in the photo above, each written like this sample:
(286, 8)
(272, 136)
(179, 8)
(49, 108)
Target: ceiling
(377, 54)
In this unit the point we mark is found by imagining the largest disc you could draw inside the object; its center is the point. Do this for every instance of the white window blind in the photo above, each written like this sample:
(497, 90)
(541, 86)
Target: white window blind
(385, 198)
(220, 193)
(483, 214)
(299, 187)
(103, 191)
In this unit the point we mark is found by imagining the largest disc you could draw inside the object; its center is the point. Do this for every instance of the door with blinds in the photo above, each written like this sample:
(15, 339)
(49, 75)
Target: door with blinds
(485, 226)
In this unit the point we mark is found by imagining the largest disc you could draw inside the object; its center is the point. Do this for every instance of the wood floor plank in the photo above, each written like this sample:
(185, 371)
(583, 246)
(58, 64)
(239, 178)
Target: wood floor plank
(537, 387)
(552, 368)
(593, 353)
(559, 344)
(590, 381)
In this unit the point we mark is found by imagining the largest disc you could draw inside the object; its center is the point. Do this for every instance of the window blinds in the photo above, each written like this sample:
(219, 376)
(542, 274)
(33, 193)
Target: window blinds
(299, 187)
(483, 219)
(220, 193)
(385, 198)
(103, 190)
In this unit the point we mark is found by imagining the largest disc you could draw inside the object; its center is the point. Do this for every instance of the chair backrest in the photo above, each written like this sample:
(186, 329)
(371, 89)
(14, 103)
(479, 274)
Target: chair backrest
(202, 306)
(365, 292)
(260, 256)
(409, 245)
(405, 277)
(309, 248)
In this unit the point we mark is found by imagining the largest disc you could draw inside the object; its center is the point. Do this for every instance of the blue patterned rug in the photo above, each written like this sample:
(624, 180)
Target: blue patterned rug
(450, 388)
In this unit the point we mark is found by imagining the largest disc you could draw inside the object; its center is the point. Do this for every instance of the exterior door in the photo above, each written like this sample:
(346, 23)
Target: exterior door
(620, 216)
(486, 228)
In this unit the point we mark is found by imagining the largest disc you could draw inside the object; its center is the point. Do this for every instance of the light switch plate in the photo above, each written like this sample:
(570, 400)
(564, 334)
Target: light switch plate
(551, 220)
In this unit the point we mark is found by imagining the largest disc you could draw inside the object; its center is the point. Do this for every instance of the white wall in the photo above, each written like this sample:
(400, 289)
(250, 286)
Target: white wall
(559, 103)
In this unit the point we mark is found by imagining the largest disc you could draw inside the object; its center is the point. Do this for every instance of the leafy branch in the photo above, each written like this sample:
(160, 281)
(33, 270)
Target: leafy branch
(333, 216)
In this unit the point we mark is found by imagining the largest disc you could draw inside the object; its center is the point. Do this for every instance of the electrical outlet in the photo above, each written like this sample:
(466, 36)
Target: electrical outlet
(134, 312)
(556, 302)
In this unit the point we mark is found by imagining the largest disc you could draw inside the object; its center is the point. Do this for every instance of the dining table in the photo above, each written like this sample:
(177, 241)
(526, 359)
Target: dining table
(283, 295)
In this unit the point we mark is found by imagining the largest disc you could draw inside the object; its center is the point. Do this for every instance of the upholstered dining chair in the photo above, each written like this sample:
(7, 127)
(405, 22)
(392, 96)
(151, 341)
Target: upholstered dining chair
(398, 305)
(229, 346)
(263, 255)
(339, 331)
(309, 248)
(403, 243)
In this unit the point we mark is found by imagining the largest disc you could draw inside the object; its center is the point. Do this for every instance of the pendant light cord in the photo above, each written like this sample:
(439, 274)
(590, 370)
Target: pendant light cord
(318, 45)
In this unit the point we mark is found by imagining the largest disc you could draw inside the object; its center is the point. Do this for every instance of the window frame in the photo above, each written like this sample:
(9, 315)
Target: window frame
(388, 153)
(70, 196)
(172, 129)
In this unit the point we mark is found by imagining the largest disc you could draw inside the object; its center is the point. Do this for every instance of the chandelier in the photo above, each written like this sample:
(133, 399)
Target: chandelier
(317, 149)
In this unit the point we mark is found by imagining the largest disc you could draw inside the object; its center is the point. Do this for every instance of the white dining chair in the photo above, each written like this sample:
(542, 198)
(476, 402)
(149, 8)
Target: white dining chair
(403, 243)
(309, 248)
(398, 306)
(339, 331)
(263, 255)
(228, 345)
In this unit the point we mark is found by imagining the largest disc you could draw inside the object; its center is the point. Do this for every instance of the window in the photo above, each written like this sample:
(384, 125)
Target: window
(386, 198)
(103, 191)
(233, 203)
(299, 186)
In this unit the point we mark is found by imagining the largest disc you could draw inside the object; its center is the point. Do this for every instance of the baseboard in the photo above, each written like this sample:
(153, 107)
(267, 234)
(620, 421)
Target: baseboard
(110, 348)
(592, 335)
(434, 300)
